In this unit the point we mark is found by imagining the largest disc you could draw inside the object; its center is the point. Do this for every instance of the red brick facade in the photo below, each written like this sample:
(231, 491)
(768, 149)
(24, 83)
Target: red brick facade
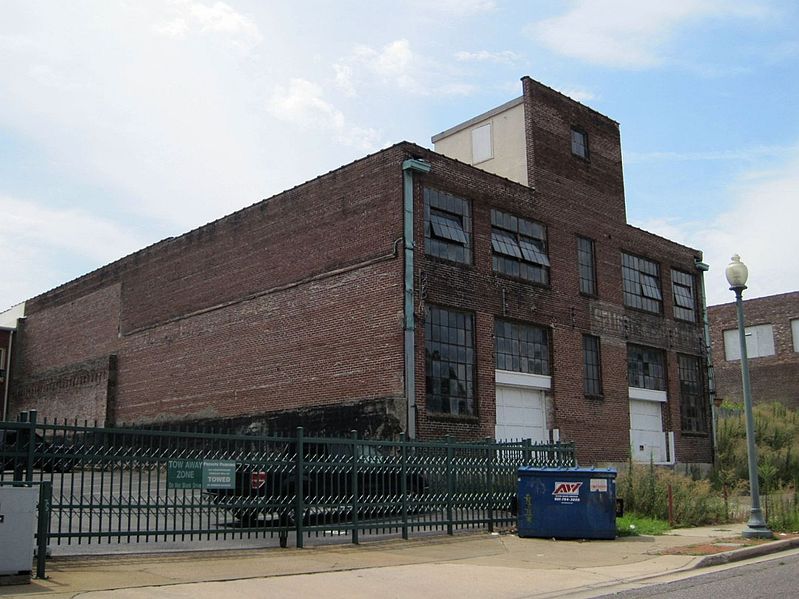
(772, 378)
(291, 310)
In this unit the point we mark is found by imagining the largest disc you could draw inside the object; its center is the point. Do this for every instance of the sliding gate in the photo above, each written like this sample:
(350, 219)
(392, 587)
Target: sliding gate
(126, 485)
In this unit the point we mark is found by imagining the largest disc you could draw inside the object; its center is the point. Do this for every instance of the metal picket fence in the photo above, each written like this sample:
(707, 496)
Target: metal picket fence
(129, 485)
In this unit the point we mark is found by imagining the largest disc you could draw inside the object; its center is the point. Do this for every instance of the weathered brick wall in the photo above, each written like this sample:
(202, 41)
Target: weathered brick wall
(287, 309)
(772, 378)
(278, 311)
(336, 340)
(62, 355)
(594, 186)
(600, 427)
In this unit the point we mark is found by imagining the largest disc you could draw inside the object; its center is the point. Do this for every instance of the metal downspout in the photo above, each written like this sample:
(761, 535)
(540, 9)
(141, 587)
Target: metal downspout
(7, 383)
(408, 168)
(711, 383)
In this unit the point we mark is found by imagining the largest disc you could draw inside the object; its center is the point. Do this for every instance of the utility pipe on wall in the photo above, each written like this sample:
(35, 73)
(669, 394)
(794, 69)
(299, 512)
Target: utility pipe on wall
(408, 168)
(711, 383)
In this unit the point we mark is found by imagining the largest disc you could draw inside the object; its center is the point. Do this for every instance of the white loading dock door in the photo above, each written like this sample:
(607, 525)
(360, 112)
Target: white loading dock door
(521, 407)
(647, 439)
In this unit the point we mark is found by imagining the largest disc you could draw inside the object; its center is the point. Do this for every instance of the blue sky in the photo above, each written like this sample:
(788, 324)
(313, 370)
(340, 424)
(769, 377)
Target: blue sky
(122, 123)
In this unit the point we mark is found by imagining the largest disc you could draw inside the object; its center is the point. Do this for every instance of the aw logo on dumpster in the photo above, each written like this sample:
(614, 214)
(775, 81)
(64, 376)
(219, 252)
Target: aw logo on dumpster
(567, 492)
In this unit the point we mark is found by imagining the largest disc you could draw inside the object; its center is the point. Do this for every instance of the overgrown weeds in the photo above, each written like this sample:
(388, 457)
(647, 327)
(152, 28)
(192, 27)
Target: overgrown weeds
(646, 489)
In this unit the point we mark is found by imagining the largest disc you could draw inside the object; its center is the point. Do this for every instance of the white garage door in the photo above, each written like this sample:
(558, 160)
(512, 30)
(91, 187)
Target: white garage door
(646, 431)
(520, 414)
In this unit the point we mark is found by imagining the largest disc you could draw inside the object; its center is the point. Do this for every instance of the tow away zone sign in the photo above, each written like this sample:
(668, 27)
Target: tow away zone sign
(201, 474)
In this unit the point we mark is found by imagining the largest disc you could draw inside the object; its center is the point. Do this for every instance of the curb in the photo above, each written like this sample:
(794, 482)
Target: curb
(747, 553)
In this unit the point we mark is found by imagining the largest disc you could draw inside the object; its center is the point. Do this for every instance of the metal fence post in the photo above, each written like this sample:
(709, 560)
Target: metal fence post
(492, 456)
(43, 526)
(450, 482)
(527, 451)
(299, 486)
(31, 445)
(23, 442)
(404, 485)
(354, 435)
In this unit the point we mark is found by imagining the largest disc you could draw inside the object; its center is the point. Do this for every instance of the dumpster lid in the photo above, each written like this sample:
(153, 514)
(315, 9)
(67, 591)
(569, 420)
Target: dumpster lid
(572, 470)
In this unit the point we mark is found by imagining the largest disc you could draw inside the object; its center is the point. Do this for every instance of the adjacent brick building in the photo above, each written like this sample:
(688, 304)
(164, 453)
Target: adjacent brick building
(409, 291)
(772, 345)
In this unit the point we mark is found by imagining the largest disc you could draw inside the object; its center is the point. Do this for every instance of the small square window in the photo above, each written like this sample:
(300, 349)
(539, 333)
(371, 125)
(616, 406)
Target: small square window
(580, 143)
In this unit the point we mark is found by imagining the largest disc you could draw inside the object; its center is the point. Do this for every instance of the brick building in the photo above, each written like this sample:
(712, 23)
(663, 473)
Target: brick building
(492, 288)
(772, 345)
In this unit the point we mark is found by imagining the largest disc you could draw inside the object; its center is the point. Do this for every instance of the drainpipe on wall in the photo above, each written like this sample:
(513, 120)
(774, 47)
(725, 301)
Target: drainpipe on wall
(711, 383)
(408, 168)
(7, 383)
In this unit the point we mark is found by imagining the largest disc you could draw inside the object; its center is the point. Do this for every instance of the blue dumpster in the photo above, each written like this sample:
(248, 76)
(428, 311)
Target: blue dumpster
(567, 503)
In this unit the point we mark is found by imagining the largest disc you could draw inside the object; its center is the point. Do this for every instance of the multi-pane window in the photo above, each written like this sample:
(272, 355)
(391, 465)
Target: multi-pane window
(447, 226)
(646, 368)
(580, 143)
(449, 357)
(641, 279)
(692, 405)
(586, 264)
(759, 342)
(519, 247)
(592, 365)
(522, 348)
(682, 286)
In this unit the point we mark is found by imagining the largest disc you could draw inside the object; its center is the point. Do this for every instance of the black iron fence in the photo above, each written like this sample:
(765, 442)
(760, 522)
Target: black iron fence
(132, 485)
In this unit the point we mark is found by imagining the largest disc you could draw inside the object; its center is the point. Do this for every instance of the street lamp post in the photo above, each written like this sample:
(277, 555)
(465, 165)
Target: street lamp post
(756, 528)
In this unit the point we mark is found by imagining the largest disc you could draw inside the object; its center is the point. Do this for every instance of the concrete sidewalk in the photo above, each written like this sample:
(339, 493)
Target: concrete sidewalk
(468, 566)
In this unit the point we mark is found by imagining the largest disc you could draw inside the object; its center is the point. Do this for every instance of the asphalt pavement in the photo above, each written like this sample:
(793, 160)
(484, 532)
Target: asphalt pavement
(476, 565)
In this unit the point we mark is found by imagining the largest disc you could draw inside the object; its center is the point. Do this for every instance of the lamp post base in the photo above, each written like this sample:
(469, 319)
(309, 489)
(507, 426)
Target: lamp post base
(757, 530)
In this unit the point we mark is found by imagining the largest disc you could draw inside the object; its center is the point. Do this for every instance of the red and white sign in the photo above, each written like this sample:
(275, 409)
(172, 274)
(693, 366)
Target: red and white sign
(257, 480)
(567, 489)
(567, 492)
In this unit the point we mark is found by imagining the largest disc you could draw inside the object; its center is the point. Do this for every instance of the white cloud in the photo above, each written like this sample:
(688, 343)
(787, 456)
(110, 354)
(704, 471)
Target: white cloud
(760, 225)
(579, 94)
(187, 16)
(34, 236)
(503, 57)
(751, 153)
(627, 33)
(391, 64)
(457, 8)
(74, 231)
(397, 66)
(301, 103)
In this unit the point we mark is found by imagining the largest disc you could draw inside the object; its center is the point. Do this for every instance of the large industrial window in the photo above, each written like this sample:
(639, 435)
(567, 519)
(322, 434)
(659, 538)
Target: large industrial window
(449, 361)
(682, 286)
(693, 409)
(585, 262)
(580, 143)
(447, 226)
(519, 247)
(521, 347)
(646, 368)
(641, 279)
(592, 364)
